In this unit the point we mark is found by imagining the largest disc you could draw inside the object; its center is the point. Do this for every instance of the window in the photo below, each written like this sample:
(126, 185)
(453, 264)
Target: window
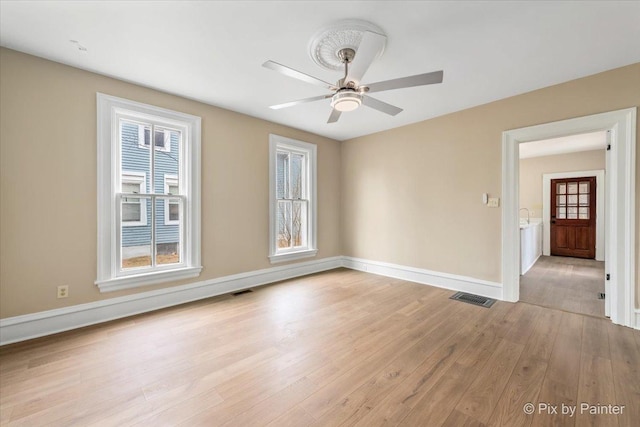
(161, 139)
(171, 206)
(292, 180)
(148, 200)
(134, 209)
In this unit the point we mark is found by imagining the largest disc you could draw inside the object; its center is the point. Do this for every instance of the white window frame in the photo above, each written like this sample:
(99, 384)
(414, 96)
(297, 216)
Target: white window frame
(169, 180)
(280, 143)
(110, 276)
(139, 178)
(152, 141)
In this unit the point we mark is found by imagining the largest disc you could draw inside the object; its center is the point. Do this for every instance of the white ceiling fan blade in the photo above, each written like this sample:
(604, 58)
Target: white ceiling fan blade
(370, 46)
(300, 101)
(410, 81)
(335, 115)
(283, 69)
(380, 106)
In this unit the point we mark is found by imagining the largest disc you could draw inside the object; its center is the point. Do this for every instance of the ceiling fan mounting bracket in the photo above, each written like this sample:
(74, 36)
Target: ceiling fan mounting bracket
(346, 54)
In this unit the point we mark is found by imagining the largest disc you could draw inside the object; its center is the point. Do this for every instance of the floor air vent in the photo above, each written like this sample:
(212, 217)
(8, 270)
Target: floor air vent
(473, 299)
(246, 291)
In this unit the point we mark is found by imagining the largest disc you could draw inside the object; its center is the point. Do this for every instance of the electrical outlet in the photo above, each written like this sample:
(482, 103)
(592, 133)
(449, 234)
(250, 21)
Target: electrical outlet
(494, 202)
(63, 291)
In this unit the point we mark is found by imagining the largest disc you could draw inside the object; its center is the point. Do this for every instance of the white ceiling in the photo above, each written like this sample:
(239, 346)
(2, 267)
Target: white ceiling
(213, 51)
(565, 144)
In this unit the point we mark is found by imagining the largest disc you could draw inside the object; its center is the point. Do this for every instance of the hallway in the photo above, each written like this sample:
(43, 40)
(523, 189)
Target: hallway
(569, 284)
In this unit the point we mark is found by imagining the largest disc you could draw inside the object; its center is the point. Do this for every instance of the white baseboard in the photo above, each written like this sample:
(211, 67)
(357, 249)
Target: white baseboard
(20, 328)
(427, 277)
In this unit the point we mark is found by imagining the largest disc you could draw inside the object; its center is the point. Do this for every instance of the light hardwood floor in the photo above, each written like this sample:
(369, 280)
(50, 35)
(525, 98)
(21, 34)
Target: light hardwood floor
(570, 284)
(336, 348)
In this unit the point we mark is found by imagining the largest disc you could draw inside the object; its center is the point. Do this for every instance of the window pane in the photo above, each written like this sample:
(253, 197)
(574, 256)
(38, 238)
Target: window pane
(135, 238)
(297, 182)
(131, 212)
(282, 175)
(572, 188)
(284, 224)
(561, 213)
(166, 162)
(299, 221)
(572, 199)
(572, 213)
(583, 213)
(134, 159)
(561, 200)
(584, 200)
(128, 187)
(174, 211)
(167, 235)
(561, 189)
(584, 187)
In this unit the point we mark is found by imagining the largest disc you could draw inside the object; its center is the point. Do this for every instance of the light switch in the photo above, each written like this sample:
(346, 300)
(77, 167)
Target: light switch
(494, 202)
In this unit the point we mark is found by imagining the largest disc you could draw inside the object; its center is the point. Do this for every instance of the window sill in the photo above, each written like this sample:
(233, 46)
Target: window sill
(138, 280)
(290, 256)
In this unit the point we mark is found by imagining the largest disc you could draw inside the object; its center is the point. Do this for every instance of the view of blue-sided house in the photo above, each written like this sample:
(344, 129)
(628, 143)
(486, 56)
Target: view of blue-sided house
(146, 172)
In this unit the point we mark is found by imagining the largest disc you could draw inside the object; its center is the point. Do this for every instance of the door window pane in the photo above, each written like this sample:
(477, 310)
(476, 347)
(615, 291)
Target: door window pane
(561, 213)
(572, 188)
(584, 187)
(561, 200)
(572, 213)
(572, 199)
(584, 200)
(583, 213)
(561, 189)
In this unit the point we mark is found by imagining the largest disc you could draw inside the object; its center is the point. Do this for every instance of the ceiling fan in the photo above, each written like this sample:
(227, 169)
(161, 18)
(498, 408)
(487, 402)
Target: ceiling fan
(348, 92)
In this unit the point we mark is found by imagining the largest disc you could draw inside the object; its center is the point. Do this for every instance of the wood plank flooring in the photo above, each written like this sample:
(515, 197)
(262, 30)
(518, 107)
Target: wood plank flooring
(569, 284)
(340, 348)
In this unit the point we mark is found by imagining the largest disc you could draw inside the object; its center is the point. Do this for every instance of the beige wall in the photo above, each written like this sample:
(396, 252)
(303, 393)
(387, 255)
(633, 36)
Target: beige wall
(532, 169)
(412, 195)
(48, 184)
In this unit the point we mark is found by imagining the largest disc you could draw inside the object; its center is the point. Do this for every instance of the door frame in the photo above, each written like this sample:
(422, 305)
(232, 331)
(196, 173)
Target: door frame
(600, 208)
(620, 238)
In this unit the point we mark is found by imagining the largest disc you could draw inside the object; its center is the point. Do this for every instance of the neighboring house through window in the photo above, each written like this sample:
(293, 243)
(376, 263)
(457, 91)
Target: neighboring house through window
(172, 206)
(134, 209)
(292, 180)
(148, 199)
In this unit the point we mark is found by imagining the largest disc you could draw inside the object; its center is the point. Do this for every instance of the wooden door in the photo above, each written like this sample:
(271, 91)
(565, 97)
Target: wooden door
(573, 217)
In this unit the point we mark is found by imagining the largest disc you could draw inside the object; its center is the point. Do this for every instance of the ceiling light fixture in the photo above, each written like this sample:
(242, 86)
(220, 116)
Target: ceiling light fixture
(346, 100)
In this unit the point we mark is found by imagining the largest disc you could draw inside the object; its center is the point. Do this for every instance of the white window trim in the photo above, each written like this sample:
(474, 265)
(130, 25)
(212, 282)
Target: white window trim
(139, 178)
(152, 141)
(110, 109)
(279, 142)
(168, 181)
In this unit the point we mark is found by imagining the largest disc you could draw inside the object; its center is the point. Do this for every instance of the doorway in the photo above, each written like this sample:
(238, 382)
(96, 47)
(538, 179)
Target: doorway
(620, 222)
(559, 181)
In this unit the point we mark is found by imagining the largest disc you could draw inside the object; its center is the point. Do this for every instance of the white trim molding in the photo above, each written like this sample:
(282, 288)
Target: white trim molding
(620, 200)
(20, 328)
(600, 208)
(637, 325)
(426, 277)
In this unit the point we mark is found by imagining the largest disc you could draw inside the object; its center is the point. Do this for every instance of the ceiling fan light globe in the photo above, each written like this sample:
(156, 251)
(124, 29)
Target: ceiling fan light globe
(346, 101)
